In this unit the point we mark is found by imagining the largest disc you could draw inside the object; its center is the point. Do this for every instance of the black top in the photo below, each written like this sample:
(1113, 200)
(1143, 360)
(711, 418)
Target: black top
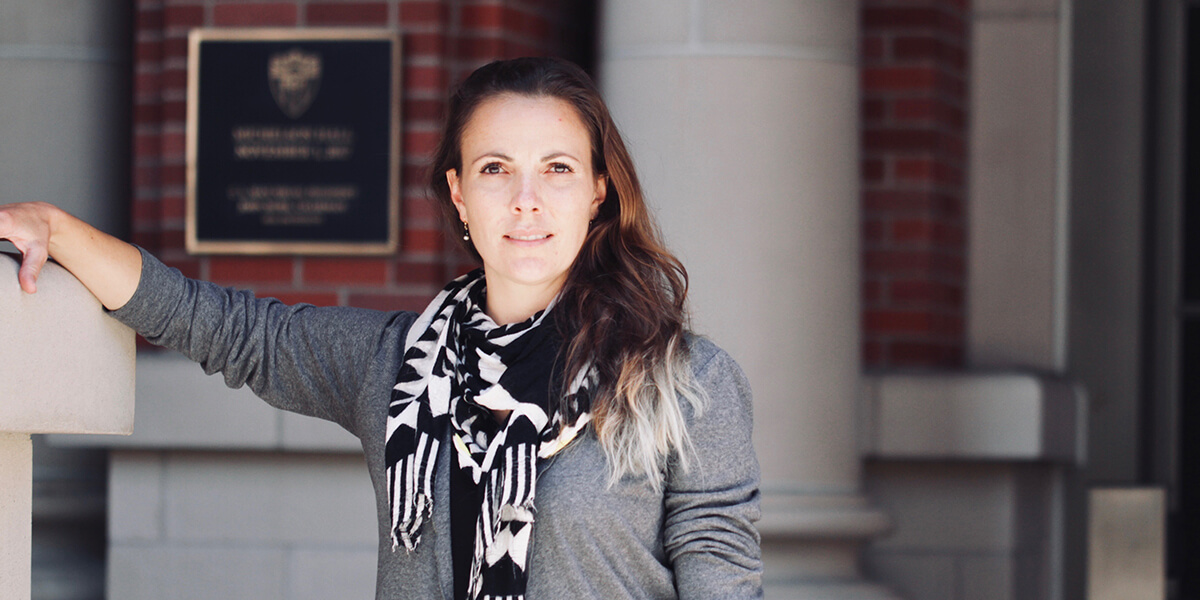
(465, 500)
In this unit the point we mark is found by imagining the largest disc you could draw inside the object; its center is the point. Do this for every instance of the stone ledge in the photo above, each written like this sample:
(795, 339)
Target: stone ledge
(67, 366)
(179, 407)
(973, 416)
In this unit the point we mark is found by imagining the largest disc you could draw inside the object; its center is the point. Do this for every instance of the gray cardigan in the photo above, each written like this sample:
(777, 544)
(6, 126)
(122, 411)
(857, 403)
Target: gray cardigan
(696, 539)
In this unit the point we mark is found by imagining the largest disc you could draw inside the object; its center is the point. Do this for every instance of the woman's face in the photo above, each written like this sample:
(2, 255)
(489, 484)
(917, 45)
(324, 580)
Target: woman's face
(527, 192)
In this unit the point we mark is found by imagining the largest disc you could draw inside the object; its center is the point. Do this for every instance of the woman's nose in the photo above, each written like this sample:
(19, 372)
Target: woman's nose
(528, 197)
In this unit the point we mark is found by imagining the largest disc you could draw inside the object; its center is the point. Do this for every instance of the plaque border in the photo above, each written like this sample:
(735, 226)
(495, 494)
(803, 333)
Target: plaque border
(193, 244)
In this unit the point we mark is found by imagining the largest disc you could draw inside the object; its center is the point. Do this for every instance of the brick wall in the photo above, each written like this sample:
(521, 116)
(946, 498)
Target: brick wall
(914, 100)
(442, 41)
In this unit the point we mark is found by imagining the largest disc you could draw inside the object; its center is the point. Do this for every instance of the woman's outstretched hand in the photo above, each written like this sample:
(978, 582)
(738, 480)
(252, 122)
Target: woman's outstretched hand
(108, 267)
(28, 226)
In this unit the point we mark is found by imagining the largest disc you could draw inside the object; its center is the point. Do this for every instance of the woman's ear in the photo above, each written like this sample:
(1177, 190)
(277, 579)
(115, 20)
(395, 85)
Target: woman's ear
(456, 194)
(601, 194)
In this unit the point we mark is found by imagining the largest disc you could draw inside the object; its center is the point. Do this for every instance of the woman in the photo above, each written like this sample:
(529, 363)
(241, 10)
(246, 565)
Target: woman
(546, 428)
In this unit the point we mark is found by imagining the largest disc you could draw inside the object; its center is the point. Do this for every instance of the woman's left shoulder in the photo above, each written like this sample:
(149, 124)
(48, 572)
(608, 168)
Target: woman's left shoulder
(707, 358)
(716, 372)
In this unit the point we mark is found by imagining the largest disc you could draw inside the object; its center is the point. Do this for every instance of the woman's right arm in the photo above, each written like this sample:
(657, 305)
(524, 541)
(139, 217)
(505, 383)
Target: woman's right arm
(108, 267)
(299, 358)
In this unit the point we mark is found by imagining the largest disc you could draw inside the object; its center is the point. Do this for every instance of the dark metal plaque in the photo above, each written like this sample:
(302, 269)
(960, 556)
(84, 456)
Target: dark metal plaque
(293, 141)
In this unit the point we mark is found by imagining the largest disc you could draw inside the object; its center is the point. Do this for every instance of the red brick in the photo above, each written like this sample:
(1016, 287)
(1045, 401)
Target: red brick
(144, 177)
(244, 270)
(146, 145)
(148, 18)
(917, 109)
(873, 47)
(920, 48)
(422, 241)
(482, 17)
(408, 272)
(873, 110)
(898, 321)
(424, 44)
(173, 175)
(183, 16)
(147, 114)
(174, 112)
(901, 79)
(872, 292)
(171, 239)
(872, 354)
(923, 354)
(173, 79)
(535, 26)
(906, 140)
(913, 230)
(420, 142)
(174, 145)
(901, 201)
(146, 239)
(419, 207)
(390, 301)
(915, 169)
(174, 207)
(425, 78)
(873, 170)
(145, 83)
(175, 47)
(924, 292)
(189, 267)
(148, 52)
(146, 212)
(361, 271)
(423, 110)
(873, 230)
(348, 13)
(897, 261)
(257, 15)
(421, 13)
(484, 49)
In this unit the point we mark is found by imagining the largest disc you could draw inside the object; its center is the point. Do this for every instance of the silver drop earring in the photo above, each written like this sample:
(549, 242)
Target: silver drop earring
(466, 232)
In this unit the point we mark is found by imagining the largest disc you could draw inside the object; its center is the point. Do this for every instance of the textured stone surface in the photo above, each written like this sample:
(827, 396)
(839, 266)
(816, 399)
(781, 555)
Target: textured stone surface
(65, 366)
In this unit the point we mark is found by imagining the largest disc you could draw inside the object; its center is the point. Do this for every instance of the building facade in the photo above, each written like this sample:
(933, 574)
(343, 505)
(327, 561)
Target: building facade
(945, 239)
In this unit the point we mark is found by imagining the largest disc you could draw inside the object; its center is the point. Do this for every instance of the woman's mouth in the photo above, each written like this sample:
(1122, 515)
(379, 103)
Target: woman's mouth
(528, 238)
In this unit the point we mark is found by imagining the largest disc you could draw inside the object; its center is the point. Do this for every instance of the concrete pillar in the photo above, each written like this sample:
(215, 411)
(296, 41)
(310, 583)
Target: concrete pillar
(65, 101)
(743, 120)
(16, 505)
(65, 367)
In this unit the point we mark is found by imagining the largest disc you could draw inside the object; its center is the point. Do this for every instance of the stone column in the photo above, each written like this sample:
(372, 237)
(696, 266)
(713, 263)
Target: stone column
(743, 120)
(65, 367)
(65, 100)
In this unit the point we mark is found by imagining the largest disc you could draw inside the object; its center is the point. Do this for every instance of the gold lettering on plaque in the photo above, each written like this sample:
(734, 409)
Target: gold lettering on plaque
(293, 143)
(295, 76)
(285, 204)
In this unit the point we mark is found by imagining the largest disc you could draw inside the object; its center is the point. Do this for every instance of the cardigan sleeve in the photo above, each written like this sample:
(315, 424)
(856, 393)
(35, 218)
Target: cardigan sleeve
(709, 534)
(299, 358)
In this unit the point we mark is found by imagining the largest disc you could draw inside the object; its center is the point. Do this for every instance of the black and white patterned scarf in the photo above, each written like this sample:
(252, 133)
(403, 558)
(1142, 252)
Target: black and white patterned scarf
(458, 366)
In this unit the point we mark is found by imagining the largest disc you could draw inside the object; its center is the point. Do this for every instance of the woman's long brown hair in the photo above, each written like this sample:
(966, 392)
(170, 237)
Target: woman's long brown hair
(622, 308)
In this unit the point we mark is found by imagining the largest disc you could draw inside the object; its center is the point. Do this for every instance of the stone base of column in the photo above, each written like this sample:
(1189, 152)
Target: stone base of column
(16, 512)
(812, 544)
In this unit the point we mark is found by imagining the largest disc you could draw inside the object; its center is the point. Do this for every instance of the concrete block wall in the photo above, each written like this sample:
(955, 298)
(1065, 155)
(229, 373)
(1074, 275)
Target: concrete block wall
(262, 525)
(217, 496)
(965, 530)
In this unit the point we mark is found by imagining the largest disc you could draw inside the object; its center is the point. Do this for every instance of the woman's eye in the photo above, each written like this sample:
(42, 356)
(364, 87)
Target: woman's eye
(560, 168)
(491, 169)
